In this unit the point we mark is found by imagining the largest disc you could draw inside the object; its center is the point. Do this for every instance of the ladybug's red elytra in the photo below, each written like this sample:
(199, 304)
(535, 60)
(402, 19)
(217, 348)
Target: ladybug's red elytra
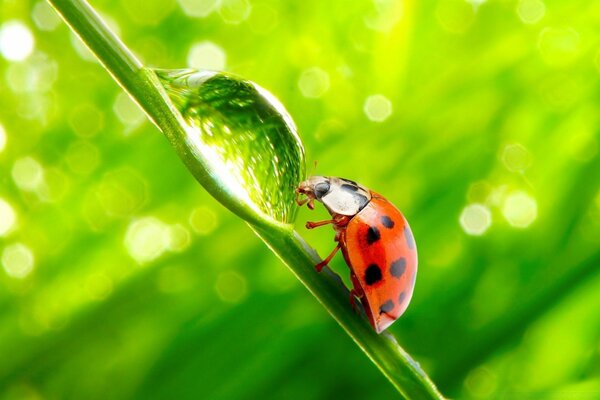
(376, 242)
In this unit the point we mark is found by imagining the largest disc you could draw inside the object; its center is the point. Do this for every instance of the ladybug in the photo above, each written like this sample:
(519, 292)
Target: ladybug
(376, 242)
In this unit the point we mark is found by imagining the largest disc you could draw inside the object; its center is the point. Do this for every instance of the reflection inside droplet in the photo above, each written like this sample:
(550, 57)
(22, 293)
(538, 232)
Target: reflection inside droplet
(243, 134)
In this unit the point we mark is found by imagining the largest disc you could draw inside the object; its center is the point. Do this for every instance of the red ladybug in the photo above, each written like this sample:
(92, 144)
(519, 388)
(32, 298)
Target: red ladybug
(376, 242)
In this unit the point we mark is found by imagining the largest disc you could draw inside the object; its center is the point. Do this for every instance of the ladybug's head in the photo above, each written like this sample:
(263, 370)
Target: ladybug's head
(340, 196)
(314, 188)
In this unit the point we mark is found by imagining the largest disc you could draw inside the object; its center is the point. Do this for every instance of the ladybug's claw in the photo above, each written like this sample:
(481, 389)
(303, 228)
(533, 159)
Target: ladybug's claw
(353, 295)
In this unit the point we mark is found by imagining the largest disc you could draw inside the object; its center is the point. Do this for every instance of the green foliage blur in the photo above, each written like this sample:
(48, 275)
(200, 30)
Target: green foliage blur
(121, 278)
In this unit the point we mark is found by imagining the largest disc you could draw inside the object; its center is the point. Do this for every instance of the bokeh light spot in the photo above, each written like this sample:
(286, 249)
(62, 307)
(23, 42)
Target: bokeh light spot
(179, 238)
(198, 8)
(86, 120)
(82, 50)
(16, 41)
(313, 82)
(37, 74)
(516, 157)
(207, 55)
(455, 16)
(519, 209)
(203, 220)
(128, 112)
(82, 157)
(558, 46)
(122, 192)
(481, 383)
(2, 138)
(148, 12)
(531, 11)
(147, 239)
(378, 108)
(8, 217)
(44, 17)
(234, 11)
(28, 174)
(475, 219)
(17, 260)
(263, 19)
(99, 286)
(231, 287)
(386, 15)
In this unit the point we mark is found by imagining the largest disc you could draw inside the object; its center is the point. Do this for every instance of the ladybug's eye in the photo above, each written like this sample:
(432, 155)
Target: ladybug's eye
(321, 189)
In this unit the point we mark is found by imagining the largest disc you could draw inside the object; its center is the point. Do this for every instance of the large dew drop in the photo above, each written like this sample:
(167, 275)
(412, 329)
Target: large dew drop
(243, 134)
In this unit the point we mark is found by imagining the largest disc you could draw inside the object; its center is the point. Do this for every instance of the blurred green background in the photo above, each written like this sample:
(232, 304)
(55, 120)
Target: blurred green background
(121, 278)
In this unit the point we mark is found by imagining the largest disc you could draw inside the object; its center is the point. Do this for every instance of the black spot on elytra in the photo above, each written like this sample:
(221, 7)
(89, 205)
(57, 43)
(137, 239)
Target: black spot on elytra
(410, 240)
(386, 307)
(361, 199)
(373, 274)
(321, 189)
(401, 298)
(398, 267)
(349, 188)
(387, 222)
(373, 235)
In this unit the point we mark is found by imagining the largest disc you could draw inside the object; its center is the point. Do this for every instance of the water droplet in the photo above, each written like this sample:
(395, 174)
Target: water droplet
(475, 219)
(520, 209)
(8, 218)
(17, 260)
(16, 41)
(243, 135)
(378, 108)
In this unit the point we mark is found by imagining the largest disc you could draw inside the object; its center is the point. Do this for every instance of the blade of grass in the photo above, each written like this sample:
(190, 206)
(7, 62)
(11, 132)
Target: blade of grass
(142, 85)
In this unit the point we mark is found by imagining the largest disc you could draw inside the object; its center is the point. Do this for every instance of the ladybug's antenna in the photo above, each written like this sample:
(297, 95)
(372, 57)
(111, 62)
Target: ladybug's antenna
(314, 167)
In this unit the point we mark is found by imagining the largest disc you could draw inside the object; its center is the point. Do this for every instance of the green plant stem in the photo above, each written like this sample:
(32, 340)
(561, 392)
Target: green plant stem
(143, 86)
(395, 363)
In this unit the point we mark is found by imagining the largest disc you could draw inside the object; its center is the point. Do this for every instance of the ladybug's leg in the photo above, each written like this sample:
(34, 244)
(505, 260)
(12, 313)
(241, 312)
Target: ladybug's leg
(338, 220)
(311, 225)
(323, 263)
